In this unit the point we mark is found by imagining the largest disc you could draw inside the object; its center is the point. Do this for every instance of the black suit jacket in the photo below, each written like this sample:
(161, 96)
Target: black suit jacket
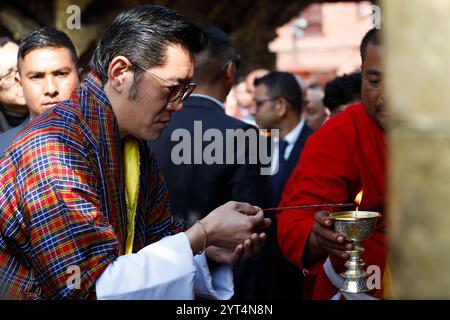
(268, 275)
(292, 161)
(197, 189)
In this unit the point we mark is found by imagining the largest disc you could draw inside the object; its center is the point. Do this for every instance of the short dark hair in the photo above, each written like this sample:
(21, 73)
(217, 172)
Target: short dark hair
(285, 85)
(372, 36)
(142, 34)
(46, 37)
(342, 90)
(4, 40)
(211, 62)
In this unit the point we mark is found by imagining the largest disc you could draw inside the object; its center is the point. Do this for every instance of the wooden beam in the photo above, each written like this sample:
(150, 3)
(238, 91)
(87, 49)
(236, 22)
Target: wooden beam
(16, 23)
(83, 37)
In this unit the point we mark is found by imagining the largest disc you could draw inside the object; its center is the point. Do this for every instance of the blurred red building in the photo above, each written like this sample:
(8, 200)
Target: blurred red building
(323, 40)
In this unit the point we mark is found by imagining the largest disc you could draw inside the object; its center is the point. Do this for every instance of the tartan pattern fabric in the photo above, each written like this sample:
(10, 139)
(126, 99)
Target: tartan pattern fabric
(62, 200)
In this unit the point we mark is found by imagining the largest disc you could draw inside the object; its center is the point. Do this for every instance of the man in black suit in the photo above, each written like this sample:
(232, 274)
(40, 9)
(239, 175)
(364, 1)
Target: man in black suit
(278, 102)
(278, 105)
(196, 185)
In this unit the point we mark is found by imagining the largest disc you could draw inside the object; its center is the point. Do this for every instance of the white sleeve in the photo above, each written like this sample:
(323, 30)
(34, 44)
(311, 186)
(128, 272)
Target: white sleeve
(162, 270)
(217, 284)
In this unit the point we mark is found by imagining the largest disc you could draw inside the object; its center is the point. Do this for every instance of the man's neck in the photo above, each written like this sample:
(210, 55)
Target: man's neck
(288, 125)
(112, 97)
(214, 91)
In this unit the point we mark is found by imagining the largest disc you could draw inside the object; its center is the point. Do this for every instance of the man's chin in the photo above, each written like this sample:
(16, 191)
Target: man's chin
(154, 135)
(21, 102)
(383, 121)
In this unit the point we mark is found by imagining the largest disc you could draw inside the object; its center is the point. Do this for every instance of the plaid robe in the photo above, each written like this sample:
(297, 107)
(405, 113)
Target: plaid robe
(62, 200)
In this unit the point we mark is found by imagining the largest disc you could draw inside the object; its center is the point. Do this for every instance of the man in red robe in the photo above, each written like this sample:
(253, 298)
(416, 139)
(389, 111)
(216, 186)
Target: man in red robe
(345, 156)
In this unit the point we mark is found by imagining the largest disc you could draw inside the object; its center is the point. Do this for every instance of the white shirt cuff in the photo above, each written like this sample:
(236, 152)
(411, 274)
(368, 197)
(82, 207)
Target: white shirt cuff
(217, 284)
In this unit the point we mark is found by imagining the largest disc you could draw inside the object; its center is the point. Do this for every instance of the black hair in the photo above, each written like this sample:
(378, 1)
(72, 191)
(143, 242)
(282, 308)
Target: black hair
(4, 40)
(142, 34)
(372, 36)
(283, 85)
(46, 37)
(211, 62)
(342, 90)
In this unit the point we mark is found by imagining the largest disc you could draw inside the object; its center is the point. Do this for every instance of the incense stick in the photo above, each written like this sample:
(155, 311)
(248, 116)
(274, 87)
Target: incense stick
(309, 206)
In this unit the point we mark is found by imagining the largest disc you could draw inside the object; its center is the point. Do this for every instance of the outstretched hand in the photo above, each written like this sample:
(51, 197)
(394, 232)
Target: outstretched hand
(240, 253)
(233, 223)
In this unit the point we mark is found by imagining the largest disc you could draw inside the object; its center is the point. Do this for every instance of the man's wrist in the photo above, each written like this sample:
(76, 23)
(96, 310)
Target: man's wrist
(205, 241)
(196, 238)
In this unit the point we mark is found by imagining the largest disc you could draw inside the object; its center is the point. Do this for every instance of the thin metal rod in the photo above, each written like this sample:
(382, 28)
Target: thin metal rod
(309, 206)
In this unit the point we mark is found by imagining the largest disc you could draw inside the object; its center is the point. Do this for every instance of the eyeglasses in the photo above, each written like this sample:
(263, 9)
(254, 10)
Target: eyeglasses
(236, 59)
(261, 102)
(178, 92)
(8, 78)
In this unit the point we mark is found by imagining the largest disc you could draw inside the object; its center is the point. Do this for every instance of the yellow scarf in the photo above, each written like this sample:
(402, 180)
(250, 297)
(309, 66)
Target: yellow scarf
(131, 158)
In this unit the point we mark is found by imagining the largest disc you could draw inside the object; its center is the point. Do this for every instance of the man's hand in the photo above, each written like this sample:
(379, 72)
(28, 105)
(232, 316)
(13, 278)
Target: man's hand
(240, 253)
(233, 223)
(323, 240)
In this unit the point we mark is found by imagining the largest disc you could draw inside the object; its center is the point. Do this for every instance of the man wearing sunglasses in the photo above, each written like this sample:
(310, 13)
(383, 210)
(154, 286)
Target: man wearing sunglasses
(13, 110)
(84, 209)
(198, 188)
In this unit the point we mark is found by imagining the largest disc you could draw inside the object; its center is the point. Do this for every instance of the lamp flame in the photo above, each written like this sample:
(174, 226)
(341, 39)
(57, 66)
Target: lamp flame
(359, 198)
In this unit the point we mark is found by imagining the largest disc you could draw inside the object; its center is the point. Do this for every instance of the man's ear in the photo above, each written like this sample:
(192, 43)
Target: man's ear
(118, 72)
(281, 106)
(80, 72)
(17, 79)
(230, 71)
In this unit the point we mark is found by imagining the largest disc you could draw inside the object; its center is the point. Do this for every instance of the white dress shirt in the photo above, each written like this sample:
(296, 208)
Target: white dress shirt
(199, 95)
(290, 138)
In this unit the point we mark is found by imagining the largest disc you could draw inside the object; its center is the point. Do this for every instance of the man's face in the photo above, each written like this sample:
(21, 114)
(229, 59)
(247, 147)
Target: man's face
(249, 83)
(48, 76)
(372, 85)
(242, 96)
(148, 114)
(315, 113)
(10, 91)
(263, 108)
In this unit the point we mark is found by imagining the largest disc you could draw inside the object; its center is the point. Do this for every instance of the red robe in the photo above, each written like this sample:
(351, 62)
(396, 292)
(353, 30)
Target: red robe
(344, 156)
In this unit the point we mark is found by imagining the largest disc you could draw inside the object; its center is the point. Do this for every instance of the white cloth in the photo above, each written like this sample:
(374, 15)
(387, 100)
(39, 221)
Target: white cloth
(290, 138)
(217, 284)
(165, 270)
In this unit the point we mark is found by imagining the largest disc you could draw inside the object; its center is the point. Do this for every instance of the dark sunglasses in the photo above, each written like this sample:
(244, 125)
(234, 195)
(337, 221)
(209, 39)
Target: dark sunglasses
(177, 91)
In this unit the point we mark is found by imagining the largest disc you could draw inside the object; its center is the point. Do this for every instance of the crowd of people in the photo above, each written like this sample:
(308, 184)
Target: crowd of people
(88, 180)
